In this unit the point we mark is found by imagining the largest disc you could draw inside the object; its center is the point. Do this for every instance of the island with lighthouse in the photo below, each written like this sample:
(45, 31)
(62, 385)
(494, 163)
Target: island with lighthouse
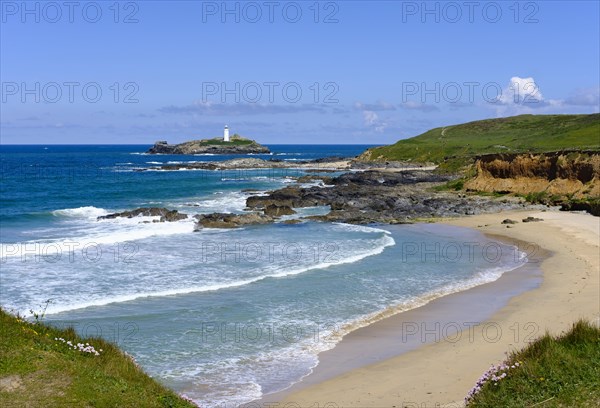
(227, 144)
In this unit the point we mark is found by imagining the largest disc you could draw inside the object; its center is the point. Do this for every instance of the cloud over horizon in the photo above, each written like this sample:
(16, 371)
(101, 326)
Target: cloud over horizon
(523, 95)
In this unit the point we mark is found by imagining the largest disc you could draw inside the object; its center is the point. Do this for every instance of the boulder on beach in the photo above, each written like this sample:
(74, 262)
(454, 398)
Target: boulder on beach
(532, 219)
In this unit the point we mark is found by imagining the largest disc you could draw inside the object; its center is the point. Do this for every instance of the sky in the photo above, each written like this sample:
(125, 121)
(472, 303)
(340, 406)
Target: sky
(285, 72)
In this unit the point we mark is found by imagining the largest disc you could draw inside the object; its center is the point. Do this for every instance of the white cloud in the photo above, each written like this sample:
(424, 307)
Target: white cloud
(521, 91)
(523, 95)
(371, 119)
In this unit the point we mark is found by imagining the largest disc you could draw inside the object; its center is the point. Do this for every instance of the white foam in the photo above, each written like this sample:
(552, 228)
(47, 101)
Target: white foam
(81, 212)
(360, 228)
(103, 232)
(383, 242)
(141, 295)
(234, 201)
(183, 169)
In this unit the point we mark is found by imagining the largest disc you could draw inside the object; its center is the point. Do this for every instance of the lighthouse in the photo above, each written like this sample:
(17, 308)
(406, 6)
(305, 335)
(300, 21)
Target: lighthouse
(226, 134)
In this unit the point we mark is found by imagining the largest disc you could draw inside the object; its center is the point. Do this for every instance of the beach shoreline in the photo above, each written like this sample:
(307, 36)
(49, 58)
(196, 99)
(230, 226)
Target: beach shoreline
(442, 371)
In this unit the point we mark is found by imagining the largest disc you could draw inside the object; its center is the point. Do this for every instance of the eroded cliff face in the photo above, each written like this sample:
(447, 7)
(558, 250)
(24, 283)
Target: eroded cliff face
(574, 174)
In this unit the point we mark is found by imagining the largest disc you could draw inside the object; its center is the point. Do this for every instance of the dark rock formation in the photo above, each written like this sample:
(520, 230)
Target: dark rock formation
(591, 206)
(278, 210)
(164, 214)
(255, 163)
(383, 196)
(213, 146)
(221, 220)
(291, 222)
(532, 219)
(311, 178)
(233, 164)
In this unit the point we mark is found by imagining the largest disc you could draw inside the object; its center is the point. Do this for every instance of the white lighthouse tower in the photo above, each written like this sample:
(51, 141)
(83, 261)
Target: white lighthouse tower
(226, 134)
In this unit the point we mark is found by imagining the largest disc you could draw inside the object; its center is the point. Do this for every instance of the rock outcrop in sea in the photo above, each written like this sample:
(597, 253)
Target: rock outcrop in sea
(383, 197)
(165, 214)
(237, 145)
(378, 195)
(225, 220)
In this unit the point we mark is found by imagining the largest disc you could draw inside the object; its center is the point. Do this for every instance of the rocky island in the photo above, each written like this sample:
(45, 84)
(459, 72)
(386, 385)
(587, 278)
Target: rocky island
(236, 145)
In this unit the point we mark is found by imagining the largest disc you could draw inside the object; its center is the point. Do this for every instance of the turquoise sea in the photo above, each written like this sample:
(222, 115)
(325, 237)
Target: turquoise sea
(222, 316)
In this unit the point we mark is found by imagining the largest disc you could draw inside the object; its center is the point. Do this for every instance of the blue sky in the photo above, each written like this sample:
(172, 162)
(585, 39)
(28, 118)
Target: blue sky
(288, 72)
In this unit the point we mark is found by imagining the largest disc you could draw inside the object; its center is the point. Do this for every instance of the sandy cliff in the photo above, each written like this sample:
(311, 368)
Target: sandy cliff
(566, 174)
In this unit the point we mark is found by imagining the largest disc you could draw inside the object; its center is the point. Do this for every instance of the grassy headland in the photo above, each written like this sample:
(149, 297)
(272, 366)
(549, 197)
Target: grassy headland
(43, 366)
(552, 371)
(547, 159)
(452, 147)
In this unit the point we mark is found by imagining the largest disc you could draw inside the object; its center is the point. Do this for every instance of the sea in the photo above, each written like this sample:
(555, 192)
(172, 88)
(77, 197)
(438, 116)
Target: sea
(223, 316)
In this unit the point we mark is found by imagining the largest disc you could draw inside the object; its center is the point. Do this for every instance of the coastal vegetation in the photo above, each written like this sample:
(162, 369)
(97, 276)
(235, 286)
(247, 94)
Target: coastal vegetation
(41, 365)
(454, 147)
(553, 371)
(235, 140)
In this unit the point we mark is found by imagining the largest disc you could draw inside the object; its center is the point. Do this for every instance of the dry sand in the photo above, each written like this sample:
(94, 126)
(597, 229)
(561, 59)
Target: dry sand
(440, 373)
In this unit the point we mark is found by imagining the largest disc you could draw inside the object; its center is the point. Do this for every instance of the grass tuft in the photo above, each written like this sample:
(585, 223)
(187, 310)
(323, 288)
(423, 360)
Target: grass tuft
(553, 371)
(38, 367)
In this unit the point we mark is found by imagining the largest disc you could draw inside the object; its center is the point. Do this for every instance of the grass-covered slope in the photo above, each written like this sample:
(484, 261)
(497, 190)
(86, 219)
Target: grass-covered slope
(524, 133)
(235, 140)
(38, 368)
(561, 371)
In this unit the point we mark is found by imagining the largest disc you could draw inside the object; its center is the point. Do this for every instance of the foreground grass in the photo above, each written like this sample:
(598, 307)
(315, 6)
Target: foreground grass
(559, 371)
(37, 370)
(454, 146)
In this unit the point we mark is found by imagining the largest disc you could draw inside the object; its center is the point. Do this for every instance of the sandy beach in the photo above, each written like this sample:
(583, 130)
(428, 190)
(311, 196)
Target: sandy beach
(446, 364)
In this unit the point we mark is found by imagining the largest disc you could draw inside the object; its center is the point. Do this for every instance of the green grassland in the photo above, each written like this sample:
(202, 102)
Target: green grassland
(36, 370)
(562, 371)
(236, 140)
(453, 146)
